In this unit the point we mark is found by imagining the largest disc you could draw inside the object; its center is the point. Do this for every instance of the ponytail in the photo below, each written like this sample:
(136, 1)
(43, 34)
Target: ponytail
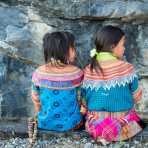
(94, 65)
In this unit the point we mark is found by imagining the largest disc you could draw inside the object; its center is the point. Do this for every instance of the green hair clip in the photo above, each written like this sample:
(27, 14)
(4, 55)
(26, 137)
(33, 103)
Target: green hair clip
(93, 52)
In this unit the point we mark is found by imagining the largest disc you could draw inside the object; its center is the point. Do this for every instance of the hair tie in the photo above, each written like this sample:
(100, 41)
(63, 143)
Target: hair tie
(93, 52)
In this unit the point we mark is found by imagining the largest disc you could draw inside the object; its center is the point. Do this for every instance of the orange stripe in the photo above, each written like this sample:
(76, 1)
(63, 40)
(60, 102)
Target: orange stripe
(35, 97)
(110, 74)
(137, 95)
(110, 70)
(110, 66)
(117, 115)
(128, 71)
(122, 69)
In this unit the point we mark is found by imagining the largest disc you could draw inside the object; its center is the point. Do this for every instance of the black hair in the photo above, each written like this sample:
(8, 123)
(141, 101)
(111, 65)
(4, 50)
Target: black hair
(105, 39)
(70, 38)
(56, 46)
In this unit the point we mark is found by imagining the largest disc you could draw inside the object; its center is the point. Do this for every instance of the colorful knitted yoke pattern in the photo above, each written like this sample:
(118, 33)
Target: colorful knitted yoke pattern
(114, 73)
(57, 80)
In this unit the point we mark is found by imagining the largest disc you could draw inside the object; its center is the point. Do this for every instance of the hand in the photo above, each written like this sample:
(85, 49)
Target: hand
(83, 110)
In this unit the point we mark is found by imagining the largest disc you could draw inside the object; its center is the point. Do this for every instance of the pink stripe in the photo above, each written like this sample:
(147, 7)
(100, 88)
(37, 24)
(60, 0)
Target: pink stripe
(36, 76)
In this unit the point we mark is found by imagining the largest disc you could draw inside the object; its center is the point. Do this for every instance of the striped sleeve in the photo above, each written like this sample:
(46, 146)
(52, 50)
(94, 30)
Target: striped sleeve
(35, 96)
(83, 109)
(136, 90)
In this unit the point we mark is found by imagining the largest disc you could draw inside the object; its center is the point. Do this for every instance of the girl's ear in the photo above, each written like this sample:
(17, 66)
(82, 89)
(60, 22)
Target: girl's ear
(72, 54)
(112, 47)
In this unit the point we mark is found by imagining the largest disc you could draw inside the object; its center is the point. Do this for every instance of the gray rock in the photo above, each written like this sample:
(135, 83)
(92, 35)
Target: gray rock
(3, 73)
(88, 145)
(143, 107)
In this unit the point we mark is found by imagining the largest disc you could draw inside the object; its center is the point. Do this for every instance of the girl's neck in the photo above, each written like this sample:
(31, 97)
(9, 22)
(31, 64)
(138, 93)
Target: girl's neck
(103, 56)
(58, 69)
(56, 65)
(59, 65)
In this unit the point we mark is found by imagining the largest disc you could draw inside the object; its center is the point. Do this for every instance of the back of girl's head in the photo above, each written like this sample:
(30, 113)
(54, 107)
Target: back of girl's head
(56, 46)
(105, 40)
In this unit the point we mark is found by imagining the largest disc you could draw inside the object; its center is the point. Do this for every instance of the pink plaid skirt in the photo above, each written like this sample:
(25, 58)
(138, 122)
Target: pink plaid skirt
(113, 126)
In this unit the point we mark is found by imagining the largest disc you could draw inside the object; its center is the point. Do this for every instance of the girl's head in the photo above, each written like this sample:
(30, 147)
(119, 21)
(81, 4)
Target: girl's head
(59, 48)
(108, 39)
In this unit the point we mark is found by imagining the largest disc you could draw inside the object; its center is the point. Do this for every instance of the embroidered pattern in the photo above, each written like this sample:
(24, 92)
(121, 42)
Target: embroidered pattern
(107, 84)
(115, 73)
(110, 126)
(57, 81)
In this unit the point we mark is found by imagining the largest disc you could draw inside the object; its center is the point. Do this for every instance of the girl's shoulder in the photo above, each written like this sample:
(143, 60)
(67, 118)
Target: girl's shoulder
(118, 64)
(48, 69)
(112, 68)
(57, 74)
(115, 73)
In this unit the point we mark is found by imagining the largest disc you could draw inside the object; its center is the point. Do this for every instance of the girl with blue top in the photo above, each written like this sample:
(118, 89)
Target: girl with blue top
(56, 85)
(110, 89)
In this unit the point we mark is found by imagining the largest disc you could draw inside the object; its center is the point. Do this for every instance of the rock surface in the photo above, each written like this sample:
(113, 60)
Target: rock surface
(24, 22)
